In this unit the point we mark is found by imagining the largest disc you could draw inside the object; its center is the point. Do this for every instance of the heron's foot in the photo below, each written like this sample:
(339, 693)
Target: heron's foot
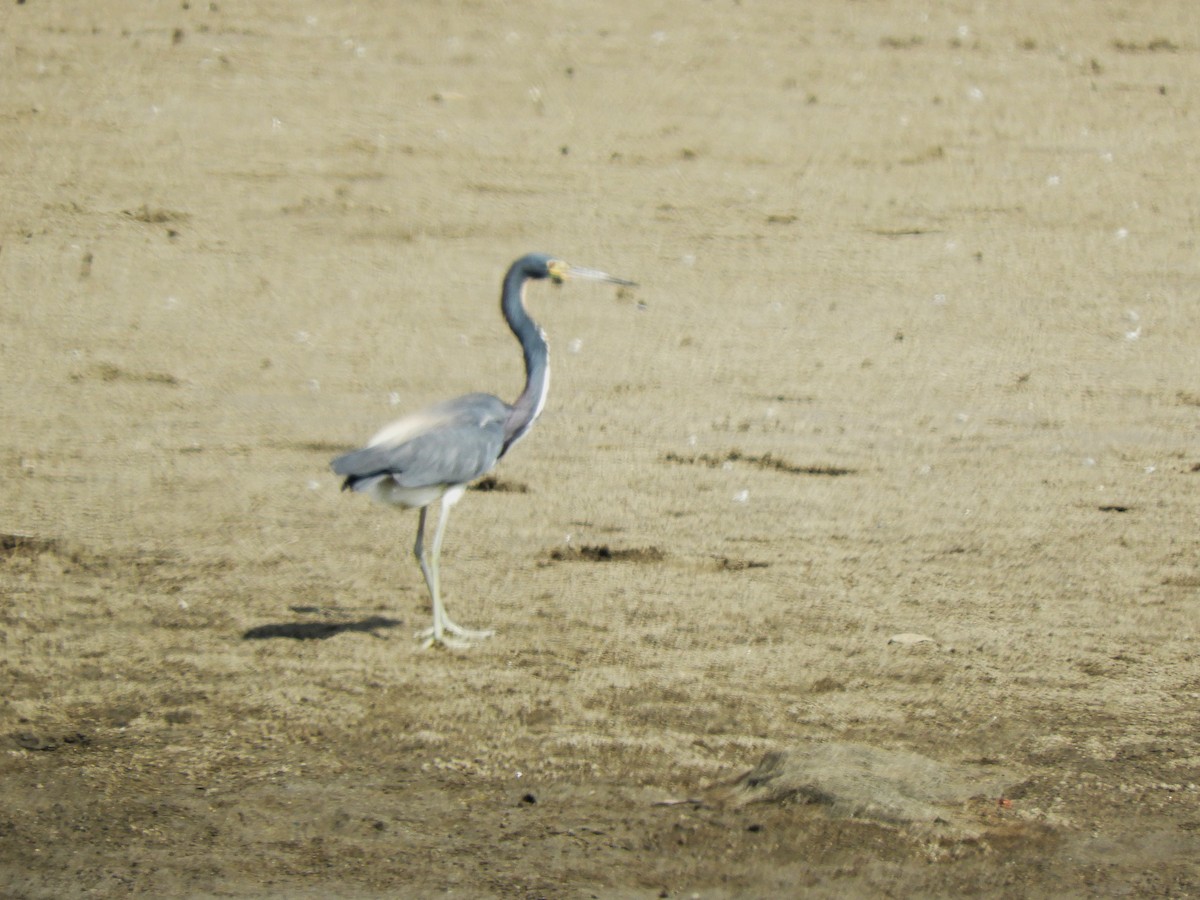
(453, 636)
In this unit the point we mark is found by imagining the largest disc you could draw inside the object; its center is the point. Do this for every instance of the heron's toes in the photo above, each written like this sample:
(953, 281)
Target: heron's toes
(469, 634)
(453, 636)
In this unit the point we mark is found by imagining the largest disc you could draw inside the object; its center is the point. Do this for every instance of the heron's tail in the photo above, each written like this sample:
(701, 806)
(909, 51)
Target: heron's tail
(361, 470)
(362, 483)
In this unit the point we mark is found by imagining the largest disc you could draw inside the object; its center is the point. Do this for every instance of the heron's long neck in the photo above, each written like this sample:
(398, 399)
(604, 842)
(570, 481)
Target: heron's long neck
(528, 406)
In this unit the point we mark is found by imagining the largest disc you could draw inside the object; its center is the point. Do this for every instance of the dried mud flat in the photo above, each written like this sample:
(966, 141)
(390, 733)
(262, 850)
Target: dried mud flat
(855, 555)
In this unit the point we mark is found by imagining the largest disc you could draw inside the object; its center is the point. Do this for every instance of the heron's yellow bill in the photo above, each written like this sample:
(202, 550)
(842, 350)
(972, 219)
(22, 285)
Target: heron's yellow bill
(561, 271)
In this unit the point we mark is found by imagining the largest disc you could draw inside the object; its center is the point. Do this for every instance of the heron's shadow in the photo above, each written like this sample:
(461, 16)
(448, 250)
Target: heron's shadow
(320, 630)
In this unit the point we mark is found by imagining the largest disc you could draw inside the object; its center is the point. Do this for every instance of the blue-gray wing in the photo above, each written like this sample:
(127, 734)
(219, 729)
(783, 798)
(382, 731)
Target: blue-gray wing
(451, 443)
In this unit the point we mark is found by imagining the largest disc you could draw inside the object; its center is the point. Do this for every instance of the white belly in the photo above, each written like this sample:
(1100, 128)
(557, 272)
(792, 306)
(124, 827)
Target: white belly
(387, 491)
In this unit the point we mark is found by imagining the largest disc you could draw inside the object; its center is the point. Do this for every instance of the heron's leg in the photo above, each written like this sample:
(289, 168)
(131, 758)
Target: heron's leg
(442, 625)
(434, 633)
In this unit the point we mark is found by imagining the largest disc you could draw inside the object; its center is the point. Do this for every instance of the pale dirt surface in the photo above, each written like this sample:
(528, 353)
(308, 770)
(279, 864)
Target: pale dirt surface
(914, 351)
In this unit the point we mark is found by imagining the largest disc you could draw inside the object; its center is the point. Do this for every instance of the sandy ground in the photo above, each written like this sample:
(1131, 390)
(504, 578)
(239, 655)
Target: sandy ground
(914, 351)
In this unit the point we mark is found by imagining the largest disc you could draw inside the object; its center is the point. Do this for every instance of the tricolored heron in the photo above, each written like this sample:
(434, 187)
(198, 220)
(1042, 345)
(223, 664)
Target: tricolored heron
(432, 455)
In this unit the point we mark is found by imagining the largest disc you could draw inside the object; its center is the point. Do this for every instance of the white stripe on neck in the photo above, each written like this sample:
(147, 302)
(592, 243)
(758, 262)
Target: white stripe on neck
(540, 404)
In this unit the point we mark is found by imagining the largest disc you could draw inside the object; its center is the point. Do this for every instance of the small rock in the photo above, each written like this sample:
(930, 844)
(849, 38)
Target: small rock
(909, 637)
